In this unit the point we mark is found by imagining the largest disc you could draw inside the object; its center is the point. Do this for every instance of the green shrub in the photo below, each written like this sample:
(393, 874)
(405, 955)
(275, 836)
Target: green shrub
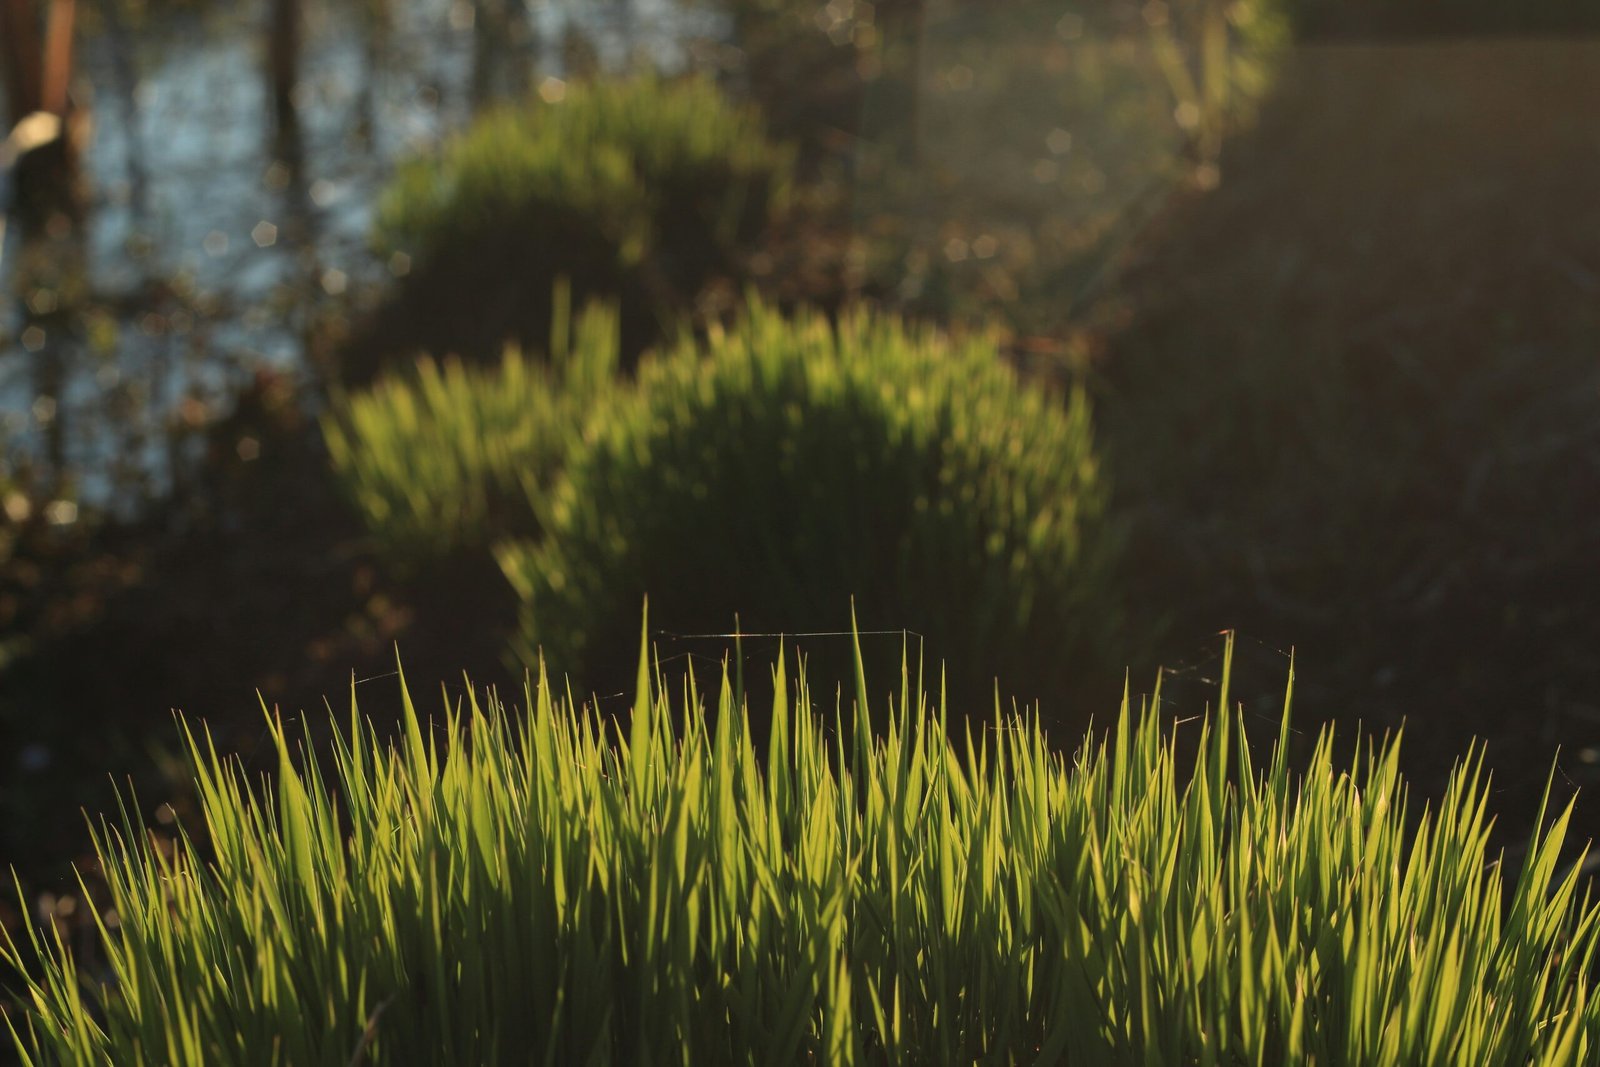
(787, 467)
(448, 458)
(487, 891)
(641, 188)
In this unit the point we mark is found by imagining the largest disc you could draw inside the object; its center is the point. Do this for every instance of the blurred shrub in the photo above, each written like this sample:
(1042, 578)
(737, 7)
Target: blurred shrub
(791, 465)
(641, 188)
(447, 458)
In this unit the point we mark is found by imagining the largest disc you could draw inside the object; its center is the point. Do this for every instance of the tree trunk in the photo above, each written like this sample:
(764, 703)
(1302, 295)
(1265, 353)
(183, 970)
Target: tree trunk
(56, 77)
(20, 60)
(283, 68)
(44, 178)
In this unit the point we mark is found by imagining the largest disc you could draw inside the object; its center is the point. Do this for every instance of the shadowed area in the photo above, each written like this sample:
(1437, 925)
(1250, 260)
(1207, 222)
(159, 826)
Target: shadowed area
(1354, 398)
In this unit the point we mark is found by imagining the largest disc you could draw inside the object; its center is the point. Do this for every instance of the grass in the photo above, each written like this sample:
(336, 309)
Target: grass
(564, 888)
(448, 458)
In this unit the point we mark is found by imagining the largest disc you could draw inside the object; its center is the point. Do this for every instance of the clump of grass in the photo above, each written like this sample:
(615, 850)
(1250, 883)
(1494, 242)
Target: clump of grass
(640, 188)
(446, 459)
(787, 465)
(491, 889)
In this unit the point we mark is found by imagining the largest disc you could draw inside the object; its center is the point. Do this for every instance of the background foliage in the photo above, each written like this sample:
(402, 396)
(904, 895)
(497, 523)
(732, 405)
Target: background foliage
(640, 188)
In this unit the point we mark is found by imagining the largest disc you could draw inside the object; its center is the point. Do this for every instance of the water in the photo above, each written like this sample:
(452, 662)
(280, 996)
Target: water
(208, 255)
(215, 250)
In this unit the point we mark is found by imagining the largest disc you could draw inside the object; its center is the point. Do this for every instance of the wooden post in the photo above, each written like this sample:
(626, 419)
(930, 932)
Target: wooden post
(38, 76)
(56, 77)
(20, 59)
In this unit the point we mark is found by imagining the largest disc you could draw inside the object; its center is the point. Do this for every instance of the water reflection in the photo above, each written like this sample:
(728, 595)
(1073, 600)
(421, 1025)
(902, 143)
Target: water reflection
(966, 166)
(221, 233)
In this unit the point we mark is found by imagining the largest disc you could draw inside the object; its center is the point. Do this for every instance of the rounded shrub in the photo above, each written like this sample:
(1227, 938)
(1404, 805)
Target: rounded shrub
(640, 188)
(787, 467)
(446, 459)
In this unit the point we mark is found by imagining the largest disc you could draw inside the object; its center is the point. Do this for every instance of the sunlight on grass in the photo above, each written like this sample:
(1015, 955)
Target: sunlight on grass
(491, 888)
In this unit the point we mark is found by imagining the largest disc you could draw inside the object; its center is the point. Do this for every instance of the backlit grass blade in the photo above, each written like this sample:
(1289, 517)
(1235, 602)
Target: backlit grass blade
(495, 887)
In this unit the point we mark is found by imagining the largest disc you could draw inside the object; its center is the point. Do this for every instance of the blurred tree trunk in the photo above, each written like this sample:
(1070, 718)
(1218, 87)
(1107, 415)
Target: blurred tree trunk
(56, 77)
(20, 60)
(909, 25)
(520, 41)
(38, 74)
(283, 73)
(488, 38)
(37, 70)
(502, 47)
(125, 70)
(376, 19)
(42, 133)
